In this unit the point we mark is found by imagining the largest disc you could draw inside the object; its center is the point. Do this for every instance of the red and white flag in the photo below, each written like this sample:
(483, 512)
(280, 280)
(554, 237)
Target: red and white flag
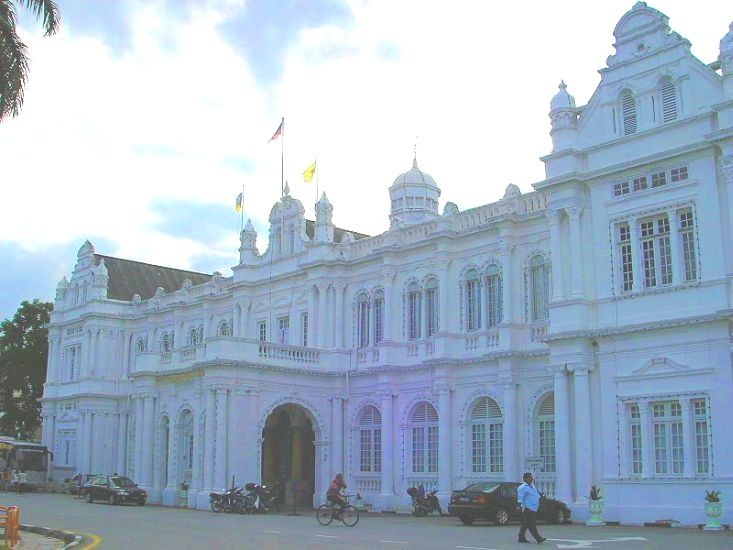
(279, 131)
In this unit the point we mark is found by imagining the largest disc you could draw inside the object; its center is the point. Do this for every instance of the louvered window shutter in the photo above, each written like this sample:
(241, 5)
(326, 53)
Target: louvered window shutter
(669, 102)
(547, 408)
(628, 109)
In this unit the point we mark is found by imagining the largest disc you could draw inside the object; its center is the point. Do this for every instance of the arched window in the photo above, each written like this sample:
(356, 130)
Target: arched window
(279, 240)
(540, 288)
(472, 300)
(291, 239)
(166, 343)
(424, 438)
(668, 99)
(224, 328)
(413, 302)
(378, 315)
(628, 112)
(431, 307)
(494, 312)
(141, 344)
(362, 320)
(370, 440)
(544, 426)
(487, 447)
(193, 337)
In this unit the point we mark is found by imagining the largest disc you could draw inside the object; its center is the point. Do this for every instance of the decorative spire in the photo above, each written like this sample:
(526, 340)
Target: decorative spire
(286, 190)
(562, 100)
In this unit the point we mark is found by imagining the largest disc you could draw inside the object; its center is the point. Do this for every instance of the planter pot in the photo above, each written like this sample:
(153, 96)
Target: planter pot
(713, 511)
(595, 507)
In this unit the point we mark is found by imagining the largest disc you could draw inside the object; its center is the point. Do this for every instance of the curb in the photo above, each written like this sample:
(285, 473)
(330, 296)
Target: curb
(70, 539)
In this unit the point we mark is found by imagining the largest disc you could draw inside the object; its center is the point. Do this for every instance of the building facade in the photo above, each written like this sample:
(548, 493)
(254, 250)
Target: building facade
(584, 328)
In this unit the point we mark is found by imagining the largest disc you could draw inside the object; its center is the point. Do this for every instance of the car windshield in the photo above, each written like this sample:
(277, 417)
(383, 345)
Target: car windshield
(121, 482)
(31, 460)
(482, 487)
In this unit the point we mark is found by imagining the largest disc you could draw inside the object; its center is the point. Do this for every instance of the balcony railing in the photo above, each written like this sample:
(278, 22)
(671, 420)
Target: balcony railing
(368, 483)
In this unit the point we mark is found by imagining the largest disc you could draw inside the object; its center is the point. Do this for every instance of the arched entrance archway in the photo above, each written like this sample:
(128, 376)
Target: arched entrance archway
(288, 453)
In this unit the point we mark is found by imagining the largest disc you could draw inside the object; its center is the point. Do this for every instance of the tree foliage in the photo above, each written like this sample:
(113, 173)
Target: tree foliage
(14, 53)
(23, 358)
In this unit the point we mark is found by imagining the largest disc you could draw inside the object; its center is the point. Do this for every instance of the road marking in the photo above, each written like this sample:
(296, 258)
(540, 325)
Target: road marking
(274, 532)
(96, 541)
(327, 536)
(589, 543)
(393, 541)
(475, 548)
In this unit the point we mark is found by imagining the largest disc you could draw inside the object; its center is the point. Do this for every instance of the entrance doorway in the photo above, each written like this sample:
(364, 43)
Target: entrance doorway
(288, 454)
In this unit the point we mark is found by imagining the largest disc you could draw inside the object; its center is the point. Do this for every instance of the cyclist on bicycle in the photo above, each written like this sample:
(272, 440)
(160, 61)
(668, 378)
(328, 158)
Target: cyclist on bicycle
(333, 495)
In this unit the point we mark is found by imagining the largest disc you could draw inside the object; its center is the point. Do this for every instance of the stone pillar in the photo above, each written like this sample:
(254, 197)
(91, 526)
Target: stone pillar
(209, 435)
(688, 437)
(89, 442)
(52, 375)
(583, 433)
(121, 466)
(137, 470)
(80, 443)
(252, 437)
(557, 287)
(387, 454)
(220, 481)
(338, 330)
(85, 367)
(445, 442)
(246, 328)
(237, 420)
(635, 252)
(511, 470)
(388, 281)
(125, 367)
(296, 462)
(173, 452)
(646, 440)
(337, 430)
(321, 332)
(146, 479)
(678, 263)
(312, 317)
(564, 482)
(505, 255)
(197, 452)
(576, 249)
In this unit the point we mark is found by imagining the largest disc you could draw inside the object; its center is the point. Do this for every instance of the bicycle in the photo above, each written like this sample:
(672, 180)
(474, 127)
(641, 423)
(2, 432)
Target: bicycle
(326, 513)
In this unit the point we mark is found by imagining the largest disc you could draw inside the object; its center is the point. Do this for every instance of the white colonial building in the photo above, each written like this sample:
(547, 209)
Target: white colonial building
(585, 325)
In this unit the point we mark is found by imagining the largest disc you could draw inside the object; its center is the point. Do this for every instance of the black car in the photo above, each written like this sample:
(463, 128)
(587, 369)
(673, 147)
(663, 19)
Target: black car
(497, 501)
(114, 490)
(75, 485)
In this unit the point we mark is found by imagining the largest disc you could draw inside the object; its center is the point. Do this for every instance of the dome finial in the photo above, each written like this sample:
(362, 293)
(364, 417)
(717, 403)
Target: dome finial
(414, 158)
(562, 100)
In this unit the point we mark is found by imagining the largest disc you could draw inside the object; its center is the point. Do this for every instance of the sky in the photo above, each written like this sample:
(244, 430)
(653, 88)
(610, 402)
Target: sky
(143, 120)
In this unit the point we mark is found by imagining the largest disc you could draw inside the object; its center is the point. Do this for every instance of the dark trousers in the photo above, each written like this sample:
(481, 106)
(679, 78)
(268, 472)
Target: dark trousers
(528, 522)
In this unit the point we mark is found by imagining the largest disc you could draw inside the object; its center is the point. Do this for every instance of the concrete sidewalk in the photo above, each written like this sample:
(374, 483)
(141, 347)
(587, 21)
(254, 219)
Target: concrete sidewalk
(32, 541)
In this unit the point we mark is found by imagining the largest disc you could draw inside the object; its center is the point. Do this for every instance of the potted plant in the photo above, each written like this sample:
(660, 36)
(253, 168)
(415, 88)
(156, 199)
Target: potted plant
(595, 506)
(713, 509)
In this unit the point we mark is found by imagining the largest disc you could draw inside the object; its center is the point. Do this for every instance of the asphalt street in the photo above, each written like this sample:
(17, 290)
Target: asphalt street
(156, 527)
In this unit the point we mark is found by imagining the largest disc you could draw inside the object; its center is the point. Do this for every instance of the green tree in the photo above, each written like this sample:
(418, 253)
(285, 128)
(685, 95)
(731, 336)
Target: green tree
(14, 54)
(23, 357)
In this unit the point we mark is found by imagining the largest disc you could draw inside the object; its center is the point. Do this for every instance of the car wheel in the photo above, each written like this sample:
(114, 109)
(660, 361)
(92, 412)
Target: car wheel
(501, 517)
(112, 500)
(559, 516)
(467, 520)
(88, 497)
(141, 502)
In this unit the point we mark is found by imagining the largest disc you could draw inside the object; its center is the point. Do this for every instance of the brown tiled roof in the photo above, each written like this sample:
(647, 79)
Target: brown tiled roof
(338, 232)
(128, 277)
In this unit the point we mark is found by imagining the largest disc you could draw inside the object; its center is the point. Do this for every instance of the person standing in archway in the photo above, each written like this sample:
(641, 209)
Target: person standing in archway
(333, 495)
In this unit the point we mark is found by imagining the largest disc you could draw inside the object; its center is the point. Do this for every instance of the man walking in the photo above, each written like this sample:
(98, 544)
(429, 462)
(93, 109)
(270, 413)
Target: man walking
(529, 499)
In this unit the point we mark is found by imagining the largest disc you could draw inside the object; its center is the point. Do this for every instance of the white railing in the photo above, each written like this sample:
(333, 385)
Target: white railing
(539, 331)
(546, 486)
(413, 349)
(166, 356)
(472, 341)
(429, 482)
(188, 354)
(365, 356)
(368, 484)
(492, 339)
(292, 354)
(429, 347)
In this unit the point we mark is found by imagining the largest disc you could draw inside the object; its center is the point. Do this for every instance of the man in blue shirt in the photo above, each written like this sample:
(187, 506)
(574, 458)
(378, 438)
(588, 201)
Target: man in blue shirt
(529, 499)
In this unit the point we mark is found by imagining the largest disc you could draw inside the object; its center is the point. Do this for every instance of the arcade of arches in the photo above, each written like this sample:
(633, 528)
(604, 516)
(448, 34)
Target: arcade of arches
(288, 453)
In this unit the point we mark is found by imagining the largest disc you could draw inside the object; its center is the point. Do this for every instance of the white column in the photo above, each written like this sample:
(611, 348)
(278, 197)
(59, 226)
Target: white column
(576, 248)
(338, 329)
(80, 442)
(88, 442)
(237, 421)
(688, 438)
(220, 481)
(388, 279)
(125, 368)
(197, 448)
(252, 438)
(209, 435)
(246, 328)
(337, 431)
(624, 439)
(445, 442)
(137, 470)
(52, 369)
(322, 314)
(93, 353)
(646, 440)
(387, 454)
(583, 434)
(510, 431)
(635, 255)
(146, 478)
(121, 462)
(505, 255)
(557, 284)
(564, 482)
(312, 318)
(674, 245)
(170, 469)
(443, 295)
(86, 355)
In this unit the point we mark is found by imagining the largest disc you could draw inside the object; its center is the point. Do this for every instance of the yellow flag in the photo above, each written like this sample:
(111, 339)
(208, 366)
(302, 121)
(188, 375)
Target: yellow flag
(308, 174)
(238, 205)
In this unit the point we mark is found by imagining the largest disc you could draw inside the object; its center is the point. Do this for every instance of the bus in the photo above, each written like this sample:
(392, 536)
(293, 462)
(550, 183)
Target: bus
(25, 456)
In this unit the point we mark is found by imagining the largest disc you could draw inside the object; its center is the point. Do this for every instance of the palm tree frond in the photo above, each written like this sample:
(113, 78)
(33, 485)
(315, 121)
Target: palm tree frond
(13, 64)
(47, 9)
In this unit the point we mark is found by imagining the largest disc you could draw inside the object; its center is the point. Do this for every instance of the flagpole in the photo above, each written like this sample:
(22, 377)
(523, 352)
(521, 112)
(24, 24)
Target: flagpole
(241, 210)
(282, 159)
(318, 172)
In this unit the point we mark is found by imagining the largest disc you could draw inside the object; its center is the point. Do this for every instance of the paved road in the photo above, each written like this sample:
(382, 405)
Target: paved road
(159, 528)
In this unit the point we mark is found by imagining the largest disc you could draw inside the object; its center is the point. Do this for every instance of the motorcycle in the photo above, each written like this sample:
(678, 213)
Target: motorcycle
(231, 500)
(424, 503)
(260, 499)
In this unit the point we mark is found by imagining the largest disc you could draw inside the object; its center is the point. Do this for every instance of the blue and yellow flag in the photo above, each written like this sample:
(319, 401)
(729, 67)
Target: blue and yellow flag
(238, 205)
(308, 174)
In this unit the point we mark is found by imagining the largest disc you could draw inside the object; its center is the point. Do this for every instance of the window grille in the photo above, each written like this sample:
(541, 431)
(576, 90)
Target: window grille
(540, 285)
(486, 419)
(659, 179)
(702, 438)
(378, 319)
(304, 329)
(656, 252)
(635, 432)
(424, 438)
(362, 313)
(640, 183)
(473, 301)
(262, 331)
(689, 253)
(493, 296)
(545, 430)
(621, 189)
(431, 310)
(625, 252)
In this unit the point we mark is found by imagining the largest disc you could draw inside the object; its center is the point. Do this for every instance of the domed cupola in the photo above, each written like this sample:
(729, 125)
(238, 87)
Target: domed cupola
(414, 197)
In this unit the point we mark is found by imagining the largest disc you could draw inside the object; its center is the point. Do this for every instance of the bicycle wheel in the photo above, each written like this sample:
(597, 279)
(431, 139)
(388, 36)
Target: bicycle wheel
(323, 514)
(350, 516)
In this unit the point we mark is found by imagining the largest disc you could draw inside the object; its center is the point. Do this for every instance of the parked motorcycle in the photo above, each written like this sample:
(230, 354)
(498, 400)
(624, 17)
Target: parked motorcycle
(424, 503)
(260, 499)
(231, 500)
